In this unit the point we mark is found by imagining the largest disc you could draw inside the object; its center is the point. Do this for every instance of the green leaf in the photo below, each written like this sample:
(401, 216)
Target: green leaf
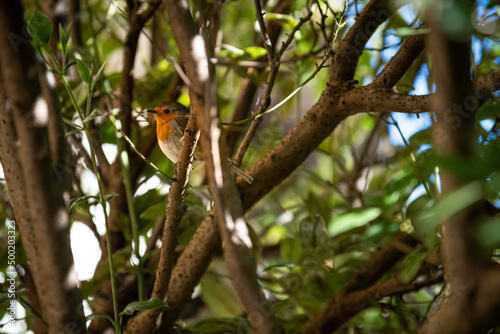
(288, 21)
(409, 31)
(352, 219)
(255, 51)
(40, 28)
(99, 315)
(380, 230)
(94, 114)
(280, 265)
(230, 51)
(74, 201)
(109, 197)
(68, 33)
(151, 304)
(488, 112)
(73, 124)
(70, 64)
(64, 36)
(84, 71)
(61, 38)
(412, 265)
(220, 325)
(488, 233)
(99, 71)
(219, 295)
(447, 207)
(154, 211)
(97, 76)
(291, 250)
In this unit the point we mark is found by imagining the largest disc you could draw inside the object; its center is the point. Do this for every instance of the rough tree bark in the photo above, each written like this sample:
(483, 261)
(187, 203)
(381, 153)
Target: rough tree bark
(474, 282)
(33, 154)
(195, 52)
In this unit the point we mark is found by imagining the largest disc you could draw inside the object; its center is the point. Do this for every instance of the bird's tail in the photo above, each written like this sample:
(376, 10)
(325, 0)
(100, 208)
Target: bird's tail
(238, 171)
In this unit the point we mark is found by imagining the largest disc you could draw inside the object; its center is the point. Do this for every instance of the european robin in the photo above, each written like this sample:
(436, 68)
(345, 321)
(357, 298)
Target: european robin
(171, 120)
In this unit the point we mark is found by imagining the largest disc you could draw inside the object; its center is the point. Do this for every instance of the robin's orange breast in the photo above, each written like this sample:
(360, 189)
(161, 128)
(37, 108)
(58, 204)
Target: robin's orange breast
(164, 129)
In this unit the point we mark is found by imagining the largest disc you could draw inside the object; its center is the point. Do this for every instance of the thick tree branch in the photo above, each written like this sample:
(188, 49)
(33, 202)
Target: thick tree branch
(368, 99)
(381, 262)
(335, 313)
(473, 303)
(400, 63)
(145, 321)
(346, 56)
(342, 309)
(229, 212)
(372, 99)
(42, 218)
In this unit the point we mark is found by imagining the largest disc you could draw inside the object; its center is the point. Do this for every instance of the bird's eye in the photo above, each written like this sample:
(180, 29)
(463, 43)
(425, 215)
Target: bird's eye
(166, 111)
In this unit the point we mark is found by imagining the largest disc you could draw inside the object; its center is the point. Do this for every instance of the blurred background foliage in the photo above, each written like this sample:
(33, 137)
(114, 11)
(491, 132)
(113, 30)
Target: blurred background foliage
(373, 177)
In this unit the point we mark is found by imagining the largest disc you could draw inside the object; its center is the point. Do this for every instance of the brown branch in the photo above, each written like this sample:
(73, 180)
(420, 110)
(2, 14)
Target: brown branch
(144, 17)
(400, 63)
(249, 87)
(346, 56)
(75, 18)
(184, 30)
(228, 207)
(340, 310)
(486, 85)
(263, 31)
(369, 99)
(145, 321)
(473, 281)
(274, 64)
(381, 262)
(190, 267)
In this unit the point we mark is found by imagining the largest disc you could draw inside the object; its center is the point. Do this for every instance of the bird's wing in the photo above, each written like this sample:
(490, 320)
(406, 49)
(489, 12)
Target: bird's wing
(182, 122)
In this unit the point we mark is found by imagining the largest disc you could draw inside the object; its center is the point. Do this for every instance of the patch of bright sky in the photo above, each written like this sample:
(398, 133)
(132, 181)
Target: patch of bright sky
(19, 327)
(110, 151)
(98, 215)
(86, 250)
(154, 182)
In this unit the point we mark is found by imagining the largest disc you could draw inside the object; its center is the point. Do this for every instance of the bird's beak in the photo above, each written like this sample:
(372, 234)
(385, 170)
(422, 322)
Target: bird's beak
(151, 111)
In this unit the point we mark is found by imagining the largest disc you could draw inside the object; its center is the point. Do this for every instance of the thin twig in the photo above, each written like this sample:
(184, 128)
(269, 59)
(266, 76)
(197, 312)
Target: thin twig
(146, 160)
(274, 64)
(257, 115)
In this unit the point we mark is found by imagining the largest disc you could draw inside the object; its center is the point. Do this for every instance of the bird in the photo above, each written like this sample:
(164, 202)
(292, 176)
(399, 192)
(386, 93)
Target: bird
(171, 120)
